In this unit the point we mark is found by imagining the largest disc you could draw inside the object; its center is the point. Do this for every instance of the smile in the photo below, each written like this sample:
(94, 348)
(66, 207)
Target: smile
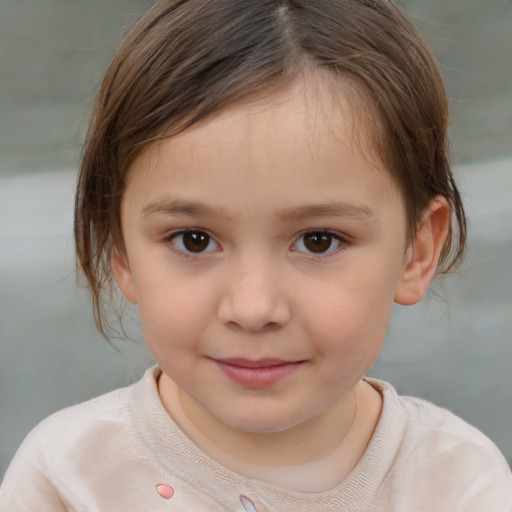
(257, 374)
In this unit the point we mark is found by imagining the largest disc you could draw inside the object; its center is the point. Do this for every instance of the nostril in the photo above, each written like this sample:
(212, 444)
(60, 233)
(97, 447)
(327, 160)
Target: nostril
(270, 326)
(259, 328)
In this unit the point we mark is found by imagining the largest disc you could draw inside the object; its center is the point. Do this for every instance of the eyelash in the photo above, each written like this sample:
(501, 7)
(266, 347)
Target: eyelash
(333, 237)
(185, 252)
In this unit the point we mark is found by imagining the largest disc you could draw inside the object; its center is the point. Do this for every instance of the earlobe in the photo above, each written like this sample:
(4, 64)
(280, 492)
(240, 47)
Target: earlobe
(423, 256)
(123, 275)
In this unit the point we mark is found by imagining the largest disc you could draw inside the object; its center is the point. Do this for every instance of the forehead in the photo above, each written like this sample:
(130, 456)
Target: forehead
(309, 110)
(296, 142)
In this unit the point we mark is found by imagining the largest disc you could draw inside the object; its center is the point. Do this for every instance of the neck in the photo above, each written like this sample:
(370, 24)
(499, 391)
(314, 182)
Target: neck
(306, 442)
(301, 444)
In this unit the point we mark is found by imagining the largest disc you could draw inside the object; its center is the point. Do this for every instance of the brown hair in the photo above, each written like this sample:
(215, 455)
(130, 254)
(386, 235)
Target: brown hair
(188, 59)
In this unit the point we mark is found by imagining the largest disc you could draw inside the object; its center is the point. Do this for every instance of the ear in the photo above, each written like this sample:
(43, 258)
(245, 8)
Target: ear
(123, 274)
(423, 255)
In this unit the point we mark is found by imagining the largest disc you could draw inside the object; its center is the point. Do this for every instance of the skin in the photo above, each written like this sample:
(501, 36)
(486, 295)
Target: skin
(255, 179)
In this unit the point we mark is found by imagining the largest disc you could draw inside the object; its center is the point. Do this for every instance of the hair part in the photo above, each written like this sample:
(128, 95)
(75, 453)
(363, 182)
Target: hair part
(186, 60)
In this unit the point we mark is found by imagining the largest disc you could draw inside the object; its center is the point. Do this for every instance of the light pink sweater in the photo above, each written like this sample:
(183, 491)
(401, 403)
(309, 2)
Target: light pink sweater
(122, 452)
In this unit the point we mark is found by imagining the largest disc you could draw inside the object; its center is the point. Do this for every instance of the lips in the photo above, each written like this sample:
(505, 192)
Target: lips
(258, 374)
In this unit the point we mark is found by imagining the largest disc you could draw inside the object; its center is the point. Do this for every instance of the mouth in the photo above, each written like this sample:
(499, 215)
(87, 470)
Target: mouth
(257, 374)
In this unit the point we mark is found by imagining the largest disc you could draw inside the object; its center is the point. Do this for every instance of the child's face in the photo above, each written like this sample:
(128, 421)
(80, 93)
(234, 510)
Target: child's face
(265, 253)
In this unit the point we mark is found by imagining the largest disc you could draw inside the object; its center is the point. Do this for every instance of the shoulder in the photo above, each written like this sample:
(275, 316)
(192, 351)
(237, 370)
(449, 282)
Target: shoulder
(439, 453)
(72, 425)
(63, 449)
(426, 424)
(431, 427)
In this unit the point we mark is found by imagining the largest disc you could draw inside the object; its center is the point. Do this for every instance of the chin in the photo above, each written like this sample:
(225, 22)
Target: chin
(261, 424)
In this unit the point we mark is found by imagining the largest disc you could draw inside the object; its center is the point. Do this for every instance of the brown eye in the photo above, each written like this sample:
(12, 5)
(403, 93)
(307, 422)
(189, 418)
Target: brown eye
(318, 242)
(194, 242)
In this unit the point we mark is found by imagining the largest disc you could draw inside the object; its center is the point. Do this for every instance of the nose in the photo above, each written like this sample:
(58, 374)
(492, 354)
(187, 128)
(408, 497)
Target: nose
(254, 299)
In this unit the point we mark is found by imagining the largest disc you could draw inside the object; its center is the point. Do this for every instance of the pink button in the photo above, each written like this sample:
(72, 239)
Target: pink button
(166, 491)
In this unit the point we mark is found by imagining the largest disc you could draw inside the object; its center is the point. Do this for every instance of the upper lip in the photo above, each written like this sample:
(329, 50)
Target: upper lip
(258, 363)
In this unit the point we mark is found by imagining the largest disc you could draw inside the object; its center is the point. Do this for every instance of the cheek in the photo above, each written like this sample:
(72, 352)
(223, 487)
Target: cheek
(172, 316)
(350, 320)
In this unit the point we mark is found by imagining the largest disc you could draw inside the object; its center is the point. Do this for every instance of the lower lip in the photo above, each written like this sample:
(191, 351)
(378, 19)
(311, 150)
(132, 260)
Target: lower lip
(258, 378)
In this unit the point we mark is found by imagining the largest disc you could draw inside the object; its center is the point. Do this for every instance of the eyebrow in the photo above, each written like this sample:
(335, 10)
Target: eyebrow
(184, 207)
(332, 209)
(196, 208)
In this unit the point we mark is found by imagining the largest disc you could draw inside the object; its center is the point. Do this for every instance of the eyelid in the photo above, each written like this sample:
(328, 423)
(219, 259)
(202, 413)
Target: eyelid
(171, 236)
(343, 242)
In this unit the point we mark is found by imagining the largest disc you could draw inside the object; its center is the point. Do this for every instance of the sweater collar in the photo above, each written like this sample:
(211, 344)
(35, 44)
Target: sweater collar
(178, 454)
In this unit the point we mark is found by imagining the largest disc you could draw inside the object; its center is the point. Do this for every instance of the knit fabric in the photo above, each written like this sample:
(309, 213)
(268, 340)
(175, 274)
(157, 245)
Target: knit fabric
(123, 452)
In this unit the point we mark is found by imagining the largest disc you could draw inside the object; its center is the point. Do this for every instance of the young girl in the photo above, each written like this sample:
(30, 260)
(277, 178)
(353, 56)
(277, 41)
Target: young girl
(264, 178)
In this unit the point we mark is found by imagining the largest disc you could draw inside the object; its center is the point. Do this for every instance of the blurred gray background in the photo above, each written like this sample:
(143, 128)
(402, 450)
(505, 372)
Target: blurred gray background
(455, 348)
